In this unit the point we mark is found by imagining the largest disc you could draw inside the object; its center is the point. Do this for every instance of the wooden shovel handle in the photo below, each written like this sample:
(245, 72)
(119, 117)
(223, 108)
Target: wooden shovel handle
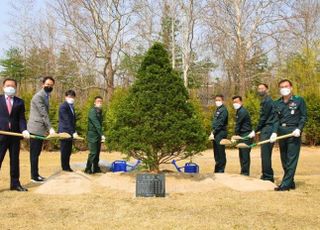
(20, 135)
(278, 138)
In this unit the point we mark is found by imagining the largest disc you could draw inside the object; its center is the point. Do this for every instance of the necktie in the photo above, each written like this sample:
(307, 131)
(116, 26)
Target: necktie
(9, 105)
(47, 100)
(72, 109)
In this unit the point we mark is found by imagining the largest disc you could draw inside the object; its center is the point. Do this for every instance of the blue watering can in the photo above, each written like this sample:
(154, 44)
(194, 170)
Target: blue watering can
(188, 167)
(123, 166)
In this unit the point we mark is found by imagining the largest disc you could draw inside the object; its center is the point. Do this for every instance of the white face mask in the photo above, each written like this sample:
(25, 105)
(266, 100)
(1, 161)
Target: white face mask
(9, 91)
(236, 106)
(98, 105)
(70, 100)
(218, 103)
(285, 91)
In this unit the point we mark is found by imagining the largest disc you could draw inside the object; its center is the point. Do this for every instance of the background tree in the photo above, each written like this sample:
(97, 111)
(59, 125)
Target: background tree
(156, 123)
(13, 65)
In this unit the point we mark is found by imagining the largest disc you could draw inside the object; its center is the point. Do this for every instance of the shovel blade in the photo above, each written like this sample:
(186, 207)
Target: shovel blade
(236, 137)
(225, 142)
(242, 145)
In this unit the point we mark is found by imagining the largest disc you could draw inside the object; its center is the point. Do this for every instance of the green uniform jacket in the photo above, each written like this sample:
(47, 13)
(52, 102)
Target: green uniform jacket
(220, 122)
(243, 122)
(95, 129)
(267, 113)
(291, 115)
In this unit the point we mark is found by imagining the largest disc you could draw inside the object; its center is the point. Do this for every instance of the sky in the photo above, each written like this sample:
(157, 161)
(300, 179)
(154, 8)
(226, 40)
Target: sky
(4, 28)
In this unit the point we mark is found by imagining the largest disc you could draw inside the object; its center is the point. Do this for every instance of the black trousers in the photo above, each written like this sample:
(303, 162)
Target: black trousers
(35, 151)
(266, 154)
(219, 152)
(244, 156)
(13, 145)
(65, 149)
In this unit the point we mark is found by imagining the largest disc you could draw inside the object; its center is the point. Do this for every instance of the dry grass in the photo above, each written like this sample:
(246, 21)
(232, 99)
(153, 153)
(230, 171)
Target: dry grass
(220, 208)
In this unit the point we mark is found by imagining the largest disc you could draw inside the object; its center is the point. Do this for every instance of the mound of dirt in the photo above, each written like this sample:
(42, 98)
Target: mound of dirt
(185, 183)
(70, 183)
(243, 183)
(66, 183)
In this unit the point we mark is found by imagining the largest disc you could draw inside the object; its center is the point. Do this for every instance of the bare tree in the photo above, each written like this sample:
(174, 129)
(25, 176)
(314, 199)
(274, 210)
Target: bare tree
(236, 29)
(100, 25)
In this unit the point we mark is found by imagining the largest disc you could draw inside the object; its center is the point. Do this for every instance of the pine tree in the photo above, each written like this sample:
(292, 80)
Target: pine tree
(156, 123)
(13, 65)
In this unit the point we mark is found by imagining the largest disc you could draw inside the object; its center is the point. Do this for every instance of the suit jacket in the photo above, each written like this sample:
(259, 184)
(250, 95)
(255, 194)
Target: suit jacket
(39, 122)
(16, 118)
(67, 120)
(95, 130)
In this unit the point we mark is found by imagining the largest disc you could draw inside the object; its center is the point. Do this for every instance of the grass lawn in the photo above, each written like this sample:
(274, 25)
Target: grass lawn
(220, 208)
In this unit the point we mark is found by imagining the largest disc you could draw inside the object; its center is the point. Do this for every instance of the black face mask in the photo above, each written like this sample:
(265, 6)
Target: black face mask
(48, 89)
(262, 94)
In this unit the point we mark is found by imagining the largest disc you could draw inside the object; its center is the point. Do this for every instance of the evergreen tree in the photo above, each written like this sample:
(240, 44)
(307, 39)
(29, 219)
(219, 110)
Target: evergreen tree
(156, 122)
(13, 65)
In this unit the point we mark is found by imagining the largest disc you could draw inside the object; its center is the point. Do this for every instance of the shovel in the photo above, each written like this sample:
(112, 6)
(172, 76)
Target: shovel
(243, 145)
(236, 138)
(20, 135)
(58, 136)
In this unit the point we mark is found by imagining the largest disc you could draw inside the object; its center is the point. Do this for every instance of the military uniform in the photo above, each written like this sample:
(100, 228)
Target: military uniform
(219, 130)
(290, 116)
(265, 127)
(243, 128)
(95, 132)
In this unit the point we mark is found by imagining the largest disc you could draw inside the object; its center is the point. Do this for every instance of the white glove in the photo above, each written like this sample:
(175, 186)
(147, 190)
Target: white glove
(26, 134)
(252, 134)
(296, 133)
(211, 137)
(51, 131)
(75, 135)
(273, 137)
(103, 138)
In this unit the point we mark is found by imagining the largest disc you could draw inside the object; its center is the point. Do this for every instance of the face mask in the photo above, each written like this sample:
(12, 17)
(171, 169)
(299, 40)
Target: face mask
(218, 103)
(98, 106)
(48, 89)
(262, 93)
(70, 100)
(285, 91)
(236, 106)
(9, 91)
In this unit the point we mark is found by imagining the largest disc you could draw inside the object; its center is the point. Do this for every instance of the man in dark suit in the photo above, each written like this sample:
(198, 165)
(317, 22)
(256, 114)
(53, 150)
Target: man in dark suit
(12, 119)
(67, 124)
(39, 124)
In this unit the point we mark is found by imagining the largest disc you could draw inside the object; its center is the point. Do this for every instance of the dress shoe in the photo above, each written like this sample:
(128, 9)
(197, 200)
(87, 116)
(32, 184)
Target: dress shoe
(38, 179)
(281, 189)
(97, 170)
(269, 179)
(293, 186)
(19, 188)
(88, 171)
(67, 170)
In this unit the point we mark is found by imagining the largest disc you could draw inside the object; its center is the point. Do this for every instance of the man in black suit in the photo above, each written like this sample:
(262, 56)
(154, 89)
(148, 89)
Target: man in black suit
(12, 119)
(67, 124)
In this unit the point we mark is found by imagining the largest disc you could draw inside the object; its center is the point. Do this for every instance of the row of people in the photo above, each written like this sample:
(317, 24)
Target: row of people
(12, 119)
(286, 115)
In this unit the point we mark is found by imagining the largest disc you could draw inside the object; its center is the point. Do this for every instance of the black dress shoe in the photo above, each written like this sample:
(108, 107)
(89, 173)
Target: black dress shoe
(293, 186)
(269, 179)
(88, 171)
(19, 188)
(97, 170)
(281, 189)
(38, 179)
(67, 170)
